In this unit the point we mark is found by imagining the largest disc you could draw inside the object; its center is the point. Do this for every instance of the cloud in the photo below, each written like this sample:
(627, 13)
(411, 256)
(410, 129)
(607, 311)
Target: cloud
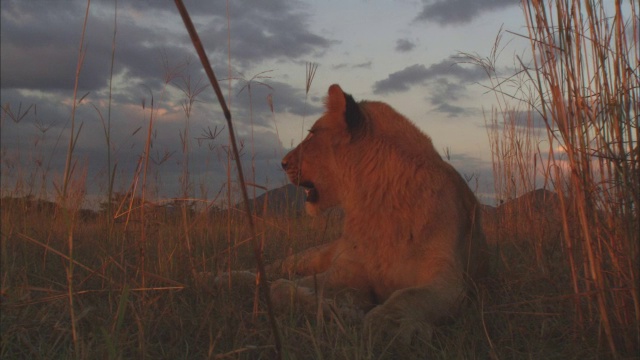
(40, 46)
(451, 110)
(40, 39)
(416, 74)
(443, 93)
(402, 80)
(446, 81)
(524, 118)
(283, 97)
(363, 65)
(455, 12)
(154, 63)
(404, 45)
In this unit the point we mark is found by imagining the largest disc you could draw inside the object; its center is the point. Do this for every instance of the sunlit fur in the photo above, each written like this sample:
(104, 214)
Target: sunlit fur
(412, 240)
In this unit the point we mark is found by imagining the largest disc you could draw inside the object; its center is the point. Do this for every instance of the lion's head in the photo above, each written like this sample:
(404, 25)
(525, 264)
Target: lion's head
(315, 163)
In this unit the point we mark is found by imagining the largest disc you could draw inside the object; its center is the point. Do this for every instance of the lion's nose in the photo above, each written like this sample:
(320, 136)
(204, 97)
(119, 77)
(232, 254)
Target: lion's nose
(284, 164)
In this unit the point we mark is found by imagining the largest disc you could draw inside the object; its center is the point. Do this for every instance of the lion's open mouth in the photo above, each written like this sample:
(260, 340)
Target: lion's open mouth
(311, 191)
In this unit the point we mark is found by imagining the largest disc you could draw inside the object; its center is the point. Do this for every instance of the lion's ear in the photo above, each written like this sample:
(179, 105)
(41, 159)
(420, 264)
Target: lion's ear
(344, 104)
(336, 99)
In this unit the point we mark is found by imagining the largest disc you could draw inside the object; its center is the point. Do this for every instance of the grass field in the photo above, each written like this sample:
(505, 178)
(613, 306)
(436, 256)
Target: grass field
(526, 310)
(133, 280)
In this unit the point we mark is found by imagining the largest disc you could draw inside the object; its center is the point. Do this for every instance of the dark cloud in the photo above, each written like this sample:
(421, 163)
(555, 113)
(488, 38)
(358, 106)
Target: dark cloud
(403, 80)
(364, 65)
(266, 93)
(281, 37)
(37, 144)
(40, 39)
(524, 118)
(155, 69)
(289, 99)
(446, 81)
(404, 45)
(450, 110)
(259, 30)
(452, 12)
(40, 46)
(444, 92)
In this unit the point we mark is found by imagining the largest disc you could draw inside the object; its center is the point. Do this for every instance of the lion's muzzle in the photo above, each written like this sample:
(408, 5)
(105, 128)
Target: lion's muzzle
(295, 176)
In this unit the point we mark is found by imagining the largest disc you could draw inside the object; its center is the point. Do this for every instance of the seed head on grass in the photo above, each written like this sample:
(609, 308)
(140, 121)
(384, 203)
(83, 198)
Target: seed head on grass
(311, 73)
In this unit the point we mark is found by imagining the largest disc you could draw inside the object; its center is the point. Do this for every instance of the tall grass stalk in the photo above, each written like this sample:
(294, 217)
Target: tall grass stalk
(142, 173)
(248, 83)
(191, 91)
(584, 86)
(310, 74)
(106, 127)
(111, 172)
(227, 114)
(68, 213)
(142, 244)
(586, 71)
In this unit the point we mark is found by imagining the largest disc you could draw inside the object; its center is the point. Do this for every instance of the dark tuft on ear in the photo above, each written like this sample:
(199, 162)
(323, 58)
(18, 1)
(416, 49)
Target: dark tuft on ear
(341, 103)
(356, 123)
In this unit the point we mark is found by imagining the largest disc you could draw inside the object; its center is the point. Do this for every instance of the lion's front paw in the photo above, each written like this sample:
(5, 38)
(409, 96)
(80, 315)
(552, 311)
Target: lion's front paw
(238, 280)
(384, 326)
(285, 293)
(274, 269)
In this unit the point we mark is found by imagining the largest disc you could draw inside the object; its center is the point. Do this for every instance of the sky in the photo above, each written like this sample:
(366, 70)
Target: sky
(403, 52)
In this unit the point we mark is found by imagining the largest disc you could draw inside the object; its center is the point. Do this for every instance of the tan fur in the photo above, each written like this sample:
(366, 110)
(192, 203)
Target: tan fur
(412, 237)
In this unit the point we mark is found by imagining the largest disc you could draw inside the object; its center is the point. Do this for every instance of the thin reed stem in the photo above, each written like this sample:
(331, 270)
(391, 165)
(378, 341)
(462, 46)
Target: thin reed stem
(68, 170)
(227, 114)
(587, 89)
(583, 85)
(111, 172)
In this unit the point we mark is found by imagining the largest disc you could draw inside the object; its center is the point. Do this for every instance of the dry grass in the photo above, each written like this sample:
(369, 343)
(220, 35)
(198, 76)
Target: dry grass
(583, 88)
(523, 311)
(564, 275)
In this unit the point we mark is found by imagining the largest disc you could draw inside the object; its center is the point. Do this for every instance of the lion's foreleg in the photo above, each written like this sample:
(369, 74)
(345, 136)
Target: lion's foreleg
(412, 312)
(309, 262)
(314, 295)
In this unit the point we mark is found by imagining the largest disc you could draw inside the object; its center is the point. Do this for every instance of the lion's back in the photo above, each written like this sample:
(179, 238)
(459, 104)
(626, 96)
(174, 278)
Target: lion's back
(436, 213)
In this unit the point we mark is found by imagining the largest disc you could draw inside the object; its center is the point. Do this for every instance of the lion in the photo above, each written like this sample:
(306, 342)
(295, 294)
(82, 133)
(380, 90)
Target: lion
(412, 241)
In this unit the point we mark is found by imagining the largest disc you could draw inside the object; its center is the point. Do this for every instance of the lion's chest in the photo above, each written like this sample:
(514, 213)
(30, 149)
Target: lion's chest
(387, 270)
